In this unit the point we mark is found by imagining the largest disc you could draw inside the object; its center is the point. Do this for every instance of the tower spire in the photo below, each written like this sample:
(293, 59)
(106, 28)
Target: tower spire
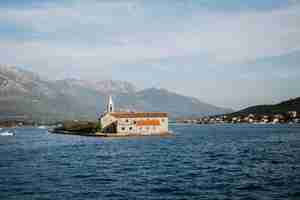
(110, 105)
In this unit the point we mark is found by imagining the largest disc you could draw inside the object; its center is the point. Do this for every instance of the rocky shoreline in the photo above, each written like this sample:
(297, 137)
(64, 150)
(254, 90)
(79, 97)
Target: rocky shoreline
(110, 135)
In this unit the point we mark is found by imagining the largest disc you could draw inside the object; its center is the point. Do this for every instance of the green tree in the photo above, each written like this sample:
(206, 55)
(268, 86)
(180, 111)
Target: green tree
(98, 127)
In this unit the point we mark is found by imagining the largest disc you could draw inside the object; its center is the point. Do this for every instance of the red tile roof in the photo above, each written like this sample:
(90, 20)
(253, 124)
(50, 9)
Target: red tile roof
(148, 122)
(139, 114)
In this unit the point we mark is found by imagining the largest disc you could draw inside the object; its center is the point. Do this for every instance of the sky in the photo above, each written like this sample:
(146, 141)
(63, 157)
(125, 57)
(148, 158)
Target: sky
(233, 53)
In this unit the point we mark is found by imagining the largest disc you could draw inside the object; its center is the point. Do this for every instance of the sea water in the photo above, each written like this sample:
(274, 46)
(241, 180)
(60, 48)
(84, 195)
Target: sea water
(197, 162)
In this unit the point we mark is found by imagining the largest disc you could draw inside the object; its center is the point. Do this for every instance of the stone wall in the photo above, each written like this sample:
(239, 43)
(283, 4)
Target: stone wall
(132, 125)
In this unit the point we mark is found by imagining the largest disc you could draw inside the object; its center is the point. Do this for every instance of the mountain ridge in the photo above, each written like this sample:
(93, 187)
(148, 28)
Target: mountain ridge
(24, 92)
(283, 107)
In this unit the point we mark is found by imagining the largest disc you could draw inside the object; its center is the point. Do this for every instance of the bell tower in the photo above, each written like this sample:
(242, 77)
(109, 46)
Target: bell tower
(110, 105)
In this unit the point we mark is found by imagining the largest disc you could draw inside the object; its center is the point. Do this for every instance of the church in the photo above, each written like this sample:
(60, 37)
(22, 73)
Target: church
(133, 123)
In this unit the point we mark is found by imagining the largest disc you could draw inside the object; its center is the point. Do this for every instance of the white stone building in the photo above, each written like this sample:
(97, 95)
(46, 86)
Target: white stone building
(293, 114)
(133, 122)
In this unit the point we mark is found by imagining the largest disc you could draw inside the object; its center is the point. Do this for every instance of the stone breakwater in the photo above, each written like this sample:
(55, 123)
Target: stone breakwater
(99, 134)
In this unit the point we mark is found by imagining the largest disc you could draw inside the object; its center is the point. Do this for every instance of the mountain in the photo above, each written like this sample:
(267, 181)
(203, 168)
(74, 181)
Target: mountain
(280, 108)
(25, 93)
(103, 86)
(163, 100)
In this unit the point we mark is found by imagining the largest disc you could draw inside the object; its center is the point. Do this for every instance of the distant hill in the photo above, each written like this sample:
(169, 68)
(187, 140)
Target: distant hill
(102, 86)
(280, 108)
(25, 93)
(163, 100)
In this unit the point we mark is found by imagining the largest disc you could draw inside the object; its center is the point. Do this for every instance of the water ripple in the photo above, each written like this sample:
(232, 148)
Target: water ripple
(199, 162)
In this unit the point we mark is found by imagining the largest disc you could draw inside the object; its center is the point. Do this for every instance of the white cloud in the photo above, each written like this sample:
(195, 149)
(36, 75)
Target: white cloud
(96, 38)
(122, 37)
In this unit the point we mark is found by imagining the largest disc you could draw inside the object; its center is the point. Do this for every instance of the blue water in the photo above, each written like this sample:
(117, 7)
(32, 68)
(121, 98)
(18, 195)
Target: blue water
(198, 162)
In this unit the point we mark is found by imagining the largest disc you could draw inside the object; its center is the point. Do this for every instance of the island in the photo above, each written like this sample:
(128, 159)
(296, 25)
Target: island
(119, 124)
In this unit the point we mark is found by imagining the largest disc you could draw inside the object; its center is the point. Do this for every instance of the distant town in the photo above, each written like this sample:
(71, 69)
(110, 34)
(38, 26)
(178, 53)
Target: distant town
(291, 117)
(288, 117)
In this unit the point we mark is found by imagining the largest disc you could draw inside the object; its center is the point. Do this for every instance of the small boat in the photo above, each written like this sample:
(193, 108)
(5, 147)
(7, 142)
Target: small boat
(42, 127)
(7, 133)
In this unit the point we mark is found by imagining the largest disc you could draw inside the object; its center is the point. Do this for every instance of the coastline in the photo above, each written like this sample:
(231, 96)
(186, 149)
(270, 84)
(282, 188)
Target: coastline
(108, 135)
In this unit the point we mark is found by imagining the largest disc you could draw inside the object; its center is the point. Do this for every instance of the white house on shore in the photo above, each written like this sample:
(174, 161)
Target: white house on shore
(143, 123)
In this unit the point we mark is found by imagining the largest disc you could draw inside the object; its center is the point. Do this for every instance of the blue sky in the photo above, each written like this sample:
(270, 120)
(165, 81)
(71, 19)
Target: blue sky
(232, 53)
